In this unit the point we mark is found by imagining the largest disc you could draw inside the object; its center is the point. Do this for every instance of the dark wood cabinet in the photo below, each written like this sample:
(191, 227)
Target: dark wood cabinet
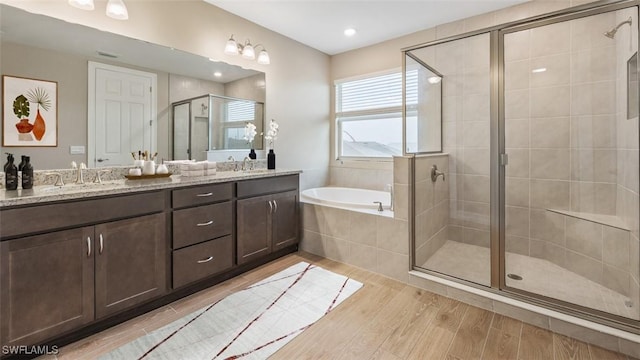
(80, 264)
(47, 285)
(130, 263)
(265, 224)
(254, 227)
(285, 220)
(58, 281)
(202, 236)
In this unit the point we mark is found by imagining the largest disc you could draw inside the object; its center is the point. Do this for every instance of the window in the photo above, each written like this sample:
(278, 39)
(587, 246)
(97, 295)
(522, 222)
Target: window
(369, 116)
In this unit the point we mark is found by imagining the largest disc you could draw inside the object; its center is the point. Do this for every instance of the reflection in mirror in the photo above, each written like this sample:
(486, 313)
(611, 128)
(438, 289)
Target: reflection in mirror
(212, 122)
(423, 104)
(55, 50)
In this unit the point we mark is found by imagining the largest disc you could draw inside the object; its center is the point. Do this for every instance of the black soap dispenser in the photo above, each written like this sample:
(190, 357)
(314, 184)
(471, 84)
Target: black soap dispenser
(27, 173)
(21, 165)
(10, 174)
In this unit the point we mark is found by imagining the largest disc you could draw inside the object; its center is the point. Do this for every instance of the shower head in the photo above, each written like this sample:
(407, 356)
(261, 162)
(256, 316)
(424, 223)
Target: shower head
(612, 33)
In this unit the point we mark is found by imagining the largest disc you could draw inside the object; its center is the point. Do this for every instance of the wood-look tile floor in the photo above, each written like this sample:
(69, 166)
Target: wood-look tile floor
(385, 319)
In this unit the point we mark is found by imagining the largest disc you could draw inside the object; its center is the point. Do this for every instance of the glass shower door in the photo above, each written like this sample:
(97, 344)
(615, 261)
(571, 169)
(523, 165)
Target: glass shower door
(571, 183)
(448, 85)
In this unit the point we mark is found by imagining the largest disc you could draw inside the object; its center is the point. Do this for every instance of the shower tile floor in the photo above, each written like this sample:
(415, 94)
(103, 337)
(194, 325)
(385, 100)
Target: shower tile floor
(538, 276)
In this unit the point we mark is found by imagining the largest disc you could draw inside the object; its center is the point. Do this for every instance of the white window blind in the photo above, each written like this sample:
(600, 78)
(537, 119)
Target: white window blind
(369, 114)
(240, 111)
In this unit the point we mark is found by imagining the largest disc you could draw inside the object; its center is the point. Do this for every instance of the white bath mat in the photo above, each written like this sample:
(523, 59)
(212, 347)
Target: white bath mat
(252, 323)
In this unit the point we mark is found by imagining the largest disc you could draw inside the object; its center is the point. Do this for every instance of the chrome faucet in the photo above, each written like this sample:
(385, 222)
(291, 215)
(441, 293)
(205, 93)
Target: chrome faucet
(244, 163)
(389, 187)
(233, 160)
(379, 205)
(59, 181)
(79, 177)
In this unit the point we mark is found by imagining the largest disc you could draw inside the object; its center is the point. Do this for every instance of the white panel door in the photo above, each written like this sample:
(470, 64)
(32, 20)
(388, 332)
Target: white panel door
(123, 112)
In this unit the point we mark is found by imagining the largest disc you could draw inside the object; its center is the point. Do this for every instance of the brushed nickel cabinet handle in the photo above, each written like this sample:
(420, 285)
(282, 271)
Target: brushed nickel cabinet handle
(275, 206)
(204, 194)
(205, 260)
(270, 207)
(101, 243)
(205, 224)
(88, 246)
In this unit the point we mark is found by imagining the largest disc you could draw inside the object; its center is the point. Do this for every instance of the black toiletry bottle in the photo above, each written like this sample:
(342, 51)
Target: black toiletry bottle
(27, 173)
(10, 174)
(21, 165)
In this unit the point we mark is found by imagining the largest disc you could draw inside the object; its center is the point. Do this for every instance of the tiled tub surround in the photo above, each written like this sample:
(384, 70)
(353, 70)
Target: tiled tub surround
(379, 243)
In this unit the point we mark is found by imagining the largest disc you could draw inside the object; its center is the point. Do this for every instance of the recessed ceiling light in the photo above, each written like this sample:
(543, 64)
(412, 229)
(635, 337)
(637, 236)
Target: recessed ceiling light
(217, 74)
(350, 31)
(539, 70)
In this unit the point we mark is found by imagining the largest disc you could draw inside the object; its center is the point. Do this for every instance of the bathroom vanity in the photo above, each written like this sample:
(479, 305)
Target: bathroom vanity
(76, 261)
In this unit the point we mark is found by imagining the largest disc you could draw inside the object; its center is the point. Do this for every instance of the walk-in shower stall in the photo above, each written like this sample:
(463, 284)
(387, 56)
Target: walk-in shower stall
(538, 196)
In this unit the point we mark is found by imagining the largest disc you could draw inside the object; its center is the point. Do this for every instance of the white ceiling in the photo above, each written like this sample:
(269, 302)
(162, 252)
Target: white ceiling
(320, 23)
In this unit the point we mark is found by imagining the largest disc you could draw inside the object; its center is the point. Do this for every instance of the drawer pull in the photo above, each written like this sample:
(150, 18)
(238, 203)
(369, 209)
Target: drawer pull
(205, 260)
(270, 207)
(101, 244)
(275, 205)
(205, 224)
(88, 246)
(204, 194)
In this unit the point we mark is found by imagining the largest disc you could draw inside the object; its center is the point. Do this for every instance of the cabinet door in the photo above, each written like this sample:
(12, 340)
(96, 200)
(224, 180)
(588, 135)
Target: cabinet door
(130, 262)
(46, 285)
(254, 227)
(285, 220)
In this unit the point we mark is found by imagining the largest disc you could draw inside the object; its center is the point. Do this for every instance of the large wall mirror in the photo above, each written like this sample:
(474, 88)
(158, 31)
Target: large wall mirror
(54, 50)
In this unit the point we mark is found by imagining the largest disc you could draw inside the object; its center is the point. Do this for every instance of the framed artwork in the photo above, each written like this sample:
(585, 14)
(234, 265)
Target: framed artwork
(29, 112)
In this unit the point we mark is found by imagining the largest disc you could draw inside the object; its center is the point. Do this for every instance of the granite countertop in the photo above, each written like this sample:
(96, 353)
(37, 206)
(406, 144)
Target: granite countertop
(50, 193)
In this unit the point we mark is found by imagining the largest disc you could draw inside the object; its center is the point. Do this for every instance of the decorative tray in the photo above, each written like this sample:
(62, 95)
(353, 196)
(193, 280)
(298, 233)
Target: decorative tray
(141, 177)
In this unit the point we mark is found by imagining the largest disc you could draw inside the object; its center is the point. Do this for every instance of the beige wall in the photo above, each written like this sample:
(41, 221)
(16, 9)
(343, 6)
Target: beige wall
(297, 85)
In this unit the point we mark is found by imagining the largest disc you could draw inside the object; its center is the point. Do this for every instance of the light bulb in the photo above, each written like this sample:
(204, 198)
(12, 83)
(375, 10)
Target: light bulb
(263, 58)
(116, 9)
(232, 47)
(248, 52)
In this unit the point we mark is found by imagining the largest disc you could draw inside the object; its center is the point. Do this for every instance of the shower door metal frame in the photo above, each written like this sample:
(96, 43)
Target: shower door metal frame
(497, 162)
(567, 307)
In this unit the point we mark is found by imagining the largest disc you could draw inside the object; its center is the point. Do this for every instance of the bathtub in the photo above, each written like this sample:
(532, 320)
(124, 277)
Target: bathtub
(361, 200)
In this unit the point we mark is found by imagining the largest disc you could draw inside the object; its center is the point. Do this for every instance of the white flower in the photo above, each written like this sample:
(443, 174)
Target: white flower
(249, 132)
(272, 134)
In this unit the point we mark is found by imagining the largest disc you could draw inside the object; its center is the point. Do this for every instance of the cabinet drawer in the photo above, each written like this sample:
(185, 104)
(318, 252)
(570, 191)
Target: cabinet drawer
(198, 224)
(199, 261)
(49, 217)
(200, 195)
(256, 187)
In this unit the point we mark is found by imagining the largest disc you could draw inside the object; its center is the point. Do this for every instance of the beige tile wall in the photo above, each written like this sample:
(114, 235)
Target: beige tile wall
(565, 135)
(373, 242)
(466, 138)
(357, 177)
(431, 206)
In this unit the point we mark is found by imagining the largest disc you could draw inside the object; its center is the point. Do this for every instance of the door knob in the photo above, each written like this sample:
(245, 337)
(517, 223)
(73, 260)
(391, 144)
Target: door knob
(101, 160)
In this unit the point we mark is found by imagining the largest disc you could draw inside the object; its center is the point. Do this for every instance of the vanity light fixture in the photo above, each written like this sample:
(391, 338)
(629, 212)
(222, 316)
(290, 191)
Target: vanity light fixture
(247, 51)
(116, 9)
(82, 4)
